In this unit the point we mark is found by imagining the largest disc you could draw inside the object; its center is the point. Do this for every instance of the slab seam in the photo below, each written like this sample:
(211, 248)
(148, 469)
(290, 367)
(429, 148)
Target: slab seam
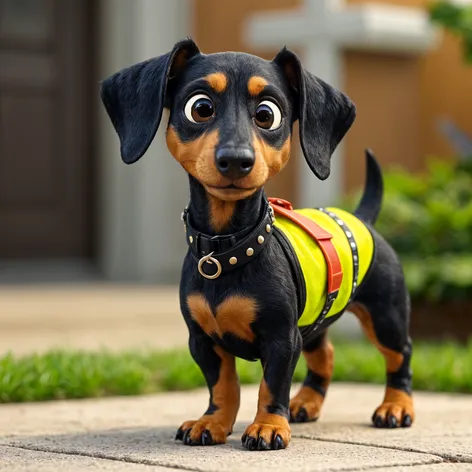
(373, 467)
(413, 465)
(444, 457)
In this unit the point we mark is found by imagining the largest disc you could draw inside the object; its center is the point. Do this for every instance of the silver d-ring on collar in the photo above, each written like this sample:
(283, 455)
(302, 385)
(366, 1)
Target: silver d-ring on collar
(211, 260)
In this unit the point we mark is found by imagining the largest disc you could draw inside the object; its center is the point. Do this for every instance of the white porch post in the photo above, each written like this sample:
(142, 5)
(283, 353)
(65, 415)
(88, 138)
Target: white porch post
(141, 236)
(323, 28)
(324, 58)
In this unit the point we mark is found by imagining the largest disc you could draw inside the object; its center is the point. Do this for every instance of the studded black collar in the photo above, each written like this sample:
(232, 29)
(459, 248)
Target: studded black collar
(216, 255)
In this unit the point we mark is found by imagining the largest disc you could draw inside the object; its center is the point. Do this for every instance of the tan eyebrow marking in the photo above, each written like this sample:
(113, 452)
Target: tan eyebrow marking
(217, 81)
(256, 85)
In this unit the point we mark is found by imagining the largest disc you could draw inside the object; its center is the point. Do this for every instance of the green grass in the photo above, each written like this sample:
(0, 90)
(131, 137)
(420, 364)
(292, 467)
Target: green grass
(63, 374)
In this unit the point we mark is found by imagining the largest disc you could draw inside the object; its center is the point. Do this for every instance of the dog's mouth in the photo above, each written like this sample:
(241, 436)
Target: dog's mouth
(230, 192)
(229, 187)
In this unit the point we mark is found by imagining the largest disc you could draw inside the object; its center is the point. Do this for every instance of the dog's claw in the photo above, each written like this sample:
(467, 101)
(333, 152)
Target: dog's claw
(179, 435)
(246, 441)
(278, 442)
(379, 422)
(252, 443)
(262, 445)
(406, 423)
(392, 421)
(186, 439)
(206, 438)
(302, 416)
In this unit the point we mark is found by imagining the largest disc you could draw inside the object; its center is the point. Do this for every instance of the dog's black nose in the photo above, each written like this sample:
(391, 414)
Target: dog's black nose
(234, 163)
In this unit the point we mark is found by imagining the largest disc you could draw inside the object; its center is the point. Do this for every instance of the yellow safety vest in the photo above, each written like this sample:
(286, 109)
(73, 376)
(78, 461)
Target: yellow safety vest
(313, 264)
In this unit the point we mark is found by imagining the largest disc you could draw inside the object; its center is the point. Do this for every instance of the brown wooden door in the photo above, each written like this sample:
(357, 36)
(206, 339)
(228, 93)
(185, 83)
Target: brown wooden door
(44, 138)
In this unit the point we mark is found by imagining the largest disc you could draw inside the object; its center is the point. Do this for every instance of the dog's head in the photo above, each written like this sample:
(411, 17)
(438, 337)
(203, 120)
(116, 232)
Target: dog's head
(231, 115)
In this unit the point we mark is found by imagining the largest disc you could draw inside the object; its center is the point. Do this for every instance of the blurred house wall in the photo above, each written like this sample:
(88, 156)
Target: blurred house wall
(399, 98)
(132, 228)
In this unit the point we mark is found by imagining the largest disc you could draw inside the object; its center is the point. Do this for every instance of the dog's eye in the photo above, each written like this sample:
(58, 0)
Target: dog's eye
(268, 115)
(199, 108)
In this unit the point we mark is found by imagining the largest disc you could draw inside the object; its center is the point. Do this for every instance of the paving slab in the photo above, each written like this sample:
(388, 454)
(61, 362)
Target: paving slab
(141, 430)
(22, 460)
(443, 425)
(156, 446)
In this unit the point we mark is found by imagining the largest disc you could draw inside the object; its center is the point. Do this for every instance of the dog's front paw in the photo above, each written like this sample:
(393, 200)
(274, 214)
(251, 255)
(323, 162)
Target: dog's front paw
(204, 432)
(305, 406)
(395, 411)
(270, 432)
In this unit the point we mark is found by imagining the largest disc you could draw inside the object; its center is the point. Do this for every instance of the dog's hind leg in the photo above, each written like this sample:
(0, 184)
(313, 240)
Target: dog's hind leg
(382, 305)
(319, 357)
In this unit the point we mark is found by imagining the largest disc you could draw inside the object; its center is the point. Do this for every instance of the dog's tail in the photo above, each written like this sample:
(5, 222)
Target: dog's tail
(371, 202)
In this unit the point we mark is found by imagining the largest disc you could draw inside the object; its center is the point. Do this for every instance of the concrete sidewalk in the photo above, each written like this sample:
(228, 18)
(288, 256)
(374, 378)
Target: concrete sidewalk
(136, 434)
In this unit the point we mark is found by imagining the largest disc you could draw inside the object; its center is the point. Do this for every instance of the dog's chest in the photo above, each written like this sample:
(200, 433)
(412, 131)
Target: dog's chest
(232, 318)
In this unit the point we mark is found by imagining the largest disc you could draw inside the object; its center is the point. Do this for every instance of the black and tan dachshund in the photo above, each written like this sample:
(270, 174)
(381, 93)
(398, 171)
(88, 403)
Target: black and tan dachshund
(256, 282)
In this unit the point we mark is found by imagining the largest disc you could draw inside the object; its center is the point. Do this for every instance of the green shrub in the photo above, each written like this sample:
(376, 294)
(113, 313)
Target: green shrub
(457, 19)
(427, 218)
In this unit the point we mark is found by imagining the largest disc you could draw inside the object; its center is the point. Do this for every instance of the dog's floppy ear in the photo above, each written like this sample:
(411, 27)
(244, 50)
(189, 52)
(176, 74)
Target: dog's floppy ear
(135, 97)
(325, 114)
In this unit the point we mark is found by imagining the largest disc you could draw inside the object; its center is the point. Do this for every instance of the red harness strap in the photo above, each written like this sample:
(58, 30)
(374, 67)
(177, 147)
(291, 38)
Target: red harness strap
(321, 236)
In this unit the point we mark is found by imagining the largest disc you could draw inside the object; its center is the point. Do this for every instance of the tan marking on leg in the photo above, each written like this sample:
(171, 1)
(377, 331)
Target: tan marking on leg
(393, 359)
(201, 312)
(268, 425)
(309, 400)
(396, 403)
(235, 315)
(217, 81)
(221, 212)
(256, 85)
(226, 397)
(320, 362)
